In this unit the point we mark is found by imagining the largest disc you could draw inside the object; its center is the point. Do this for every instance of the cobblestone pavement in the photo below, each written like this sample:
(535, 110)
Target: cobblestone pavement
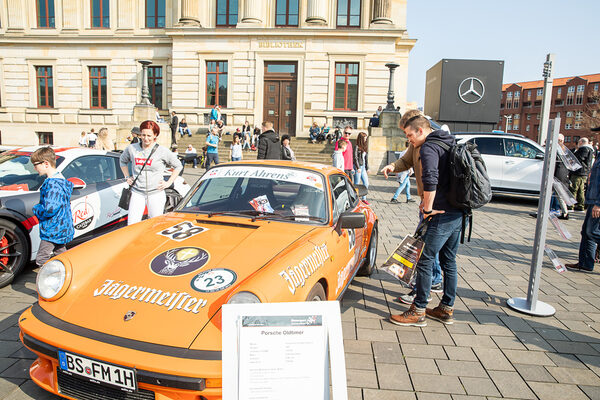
(490, 352)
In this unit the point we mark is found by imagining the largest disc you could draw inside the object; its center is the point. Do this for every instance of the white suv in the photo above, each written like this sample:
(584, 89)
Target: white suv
(514, 163)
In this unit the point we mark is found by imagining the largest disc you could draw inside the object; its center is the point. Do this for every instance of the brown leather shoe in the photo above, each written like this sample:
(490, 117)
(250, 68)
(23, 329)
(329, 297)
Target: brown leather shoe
(410, 317)
(441, 313)
(576, 267)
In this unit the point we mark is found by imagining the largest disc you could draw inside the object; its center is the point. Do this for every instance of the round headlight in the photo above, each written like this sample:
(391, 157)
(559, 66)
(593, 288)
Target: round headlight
(243, 298)
(51, 279)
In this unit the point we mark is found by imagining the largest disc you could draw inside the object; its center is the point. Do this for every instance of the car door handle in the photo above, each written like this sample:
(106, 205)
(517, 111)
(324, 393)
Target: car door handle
(509, 162)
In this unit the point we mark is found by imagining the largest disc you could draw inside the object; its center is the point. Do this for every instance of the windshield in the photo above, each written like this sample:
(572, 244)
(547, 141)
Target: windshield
(17, 172)
(261, 192)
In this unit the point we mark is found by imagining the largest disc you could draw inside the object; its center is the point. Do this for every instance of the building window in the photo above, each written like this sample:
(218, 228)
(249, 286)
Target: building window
(286, 13)
(568, 126)
(45, 138)
(45, 13)
(516, 103)
(45, 87)
(98, 87)
(527, 128)
(580, 88)
(348, 13)
(509, 95)
(571, 89)
(508, 103)
(100, 13)
(528, 117)
(529, 95)
(570, 100)
(155, 84)
(155, 13)
(508, 127)
(559, 91)
(577, 125)
(227, 12)
(579, 99)
(517, 116)
(596, 87)
(540, 92)
(517, 95)
(216, 83)
(567, 139)
(576, 139)
(578, 115)
(558, 115)
(538, 116)
(346, 86)
(569, 114)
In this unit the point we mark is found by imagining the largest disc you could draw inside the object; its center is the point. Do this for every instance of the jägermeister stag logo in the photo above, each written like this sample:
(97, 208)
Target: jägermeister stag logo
(179, 261)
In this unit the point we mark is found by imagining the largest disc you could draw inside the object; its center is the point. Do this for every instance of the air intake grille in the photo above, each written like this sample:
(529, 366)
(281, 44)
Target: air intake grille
(84, 390)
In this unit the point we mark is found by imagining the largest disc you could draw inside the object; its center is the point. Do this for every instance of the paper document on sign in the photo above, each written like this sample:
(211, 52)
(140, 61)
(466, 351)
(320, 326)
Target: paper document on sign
(560, 228)
(558, 265)
(278, 361)
(563, 192)
(568, 158)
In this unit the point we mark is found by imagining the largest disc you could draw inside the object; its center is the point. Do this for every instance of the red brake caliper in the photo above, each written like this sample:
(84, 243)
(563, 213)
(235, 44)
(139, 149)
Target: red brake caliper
(3, 243)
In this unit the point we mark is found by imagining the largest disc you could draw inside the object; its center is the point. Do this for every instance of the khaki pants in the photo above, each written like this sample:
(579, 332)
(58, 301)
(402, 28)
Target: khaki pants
(578, 190)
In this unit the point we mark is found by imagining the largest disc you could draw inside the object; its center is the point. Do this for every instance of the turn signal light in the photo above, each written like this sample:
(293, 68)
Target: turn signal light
(213, 382)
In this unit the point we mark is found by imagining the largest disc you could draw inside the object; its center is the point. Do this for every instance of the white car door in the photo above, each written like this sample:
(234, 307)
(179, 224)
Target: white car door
(522, 166)
(492, 152)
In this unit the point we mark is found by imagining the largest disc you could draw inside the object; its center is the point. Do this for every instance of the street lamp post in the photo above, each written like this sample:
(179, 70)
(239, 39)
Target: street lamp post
(390, 94)
(145, 90)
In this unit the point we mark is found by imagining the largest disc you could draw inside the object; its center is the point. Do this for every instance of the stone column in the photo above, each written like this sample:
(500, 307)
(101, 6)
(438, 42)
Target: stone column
(316, 12)
(189, 13)
(381, 12)
(16, 15)
(252, 12)
(70, 15)
(126, 14)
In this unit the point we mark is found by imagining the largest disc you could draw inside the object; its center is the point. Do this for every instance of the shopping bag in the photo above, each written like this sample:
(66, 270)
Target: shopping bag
(403, 261)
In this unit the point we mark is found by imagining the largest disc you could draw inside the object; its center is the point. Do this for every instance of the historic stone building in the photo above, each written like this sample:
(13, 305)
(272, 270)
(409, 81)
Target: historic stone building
(67, 66)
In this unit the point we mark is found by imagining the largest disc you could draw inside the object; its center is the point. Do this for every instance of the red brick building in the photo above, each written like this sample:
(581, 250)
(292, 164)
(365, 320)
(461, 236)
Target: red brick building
(574, 99)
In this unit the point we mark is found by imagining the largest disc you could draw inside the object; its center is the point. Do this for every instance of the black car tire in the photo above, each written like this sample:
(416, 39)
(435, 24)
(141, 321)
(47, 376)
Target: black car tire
(369, 265)
(317, 293)
(173, 199)
(15, 242)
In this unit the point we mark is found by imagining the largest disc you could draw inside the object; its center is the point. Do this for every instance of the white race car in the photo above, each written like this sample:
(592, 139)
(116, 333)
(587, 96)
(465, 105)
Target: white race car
(98, 182)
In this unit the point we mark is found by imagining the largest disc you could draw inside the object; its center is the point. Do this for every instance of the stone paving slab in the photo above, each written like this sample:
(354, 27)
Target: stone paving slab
(491, 352)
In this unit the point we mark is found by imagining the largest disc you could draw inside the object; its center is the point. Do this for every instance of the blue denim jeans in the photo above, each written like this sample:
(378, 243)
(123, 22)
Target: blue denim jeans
(361, 175)
(587, 247)
(404, 184)
(442, 236)
(436, 273)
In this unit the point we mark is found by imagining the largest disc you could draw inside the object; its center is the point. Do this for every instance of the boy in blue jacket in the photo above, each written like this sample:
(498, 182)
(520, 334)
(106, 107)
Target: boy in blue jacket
(54, 208)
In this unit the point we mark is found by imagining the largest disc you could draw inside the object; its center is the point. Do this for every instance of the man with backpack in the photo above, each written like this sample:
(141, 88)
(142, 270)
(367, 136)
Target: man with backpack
(445, 221)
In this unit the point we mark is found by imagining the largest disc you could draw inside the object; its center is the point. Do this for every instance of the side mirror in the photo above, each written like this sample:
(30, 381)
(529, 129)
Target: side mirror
(350, 220)
(539, 156)
(77, 183)
(362, 190)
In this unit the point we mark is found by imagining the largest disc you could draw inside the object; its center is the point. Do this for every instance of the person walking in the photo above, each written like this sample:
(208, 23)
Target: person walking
(235, 150)
(403, 178)
(269, 146)
(83, 140)
(445, 222)
(174, 125)
(361, 161)
(212, 148)
(585, 155)
(91, 138)
(589, 244)
(149, 161)
(103, 142)
(348, 153)
(286, 150)
(54, 209)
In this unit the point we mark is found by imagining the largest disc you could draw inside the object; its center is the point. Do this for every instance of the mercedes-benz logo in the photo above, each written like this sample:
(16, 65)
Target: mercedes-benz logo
(471, 90)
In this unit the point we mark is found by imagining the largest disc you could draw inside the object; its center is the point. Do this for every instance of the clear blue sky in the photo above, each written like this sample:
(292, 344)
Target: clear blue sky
(520, 32)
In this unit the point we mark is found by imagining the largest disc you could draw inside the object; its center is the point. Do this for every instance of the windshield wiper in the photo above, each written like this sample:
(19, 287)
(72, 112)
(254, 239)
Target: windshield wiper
(252, 213)
(289, 217)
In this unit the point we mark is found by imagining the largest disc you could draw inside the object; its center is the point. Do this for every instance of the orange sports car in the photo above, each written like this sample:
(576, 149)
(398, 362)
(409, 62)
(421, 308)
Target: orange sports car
(136, 314)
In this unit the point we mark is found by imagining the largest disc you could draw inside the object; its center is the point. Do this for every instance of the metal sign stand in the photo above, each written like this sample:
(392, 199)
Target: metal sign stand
(531, 305)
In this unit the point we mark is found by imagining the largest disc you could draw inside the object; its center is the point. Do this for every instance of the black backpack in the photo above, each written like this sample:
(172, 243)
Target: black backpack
(470, 186)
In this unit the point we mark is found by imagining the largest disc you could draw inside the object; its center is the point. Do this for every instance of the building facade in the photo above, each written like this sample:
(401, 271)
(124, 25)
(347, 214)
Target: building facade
(67, 66)
(574, 99)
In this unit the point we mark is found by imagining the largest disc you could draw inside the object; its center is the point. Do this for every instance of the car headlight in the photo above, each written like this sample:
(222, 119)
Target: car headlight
(243, 298)
(51, 280)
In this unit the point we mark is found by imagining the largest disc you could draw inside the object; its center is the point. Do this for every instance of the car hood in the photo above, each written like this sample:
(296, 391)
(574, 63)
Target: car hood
(138, 284)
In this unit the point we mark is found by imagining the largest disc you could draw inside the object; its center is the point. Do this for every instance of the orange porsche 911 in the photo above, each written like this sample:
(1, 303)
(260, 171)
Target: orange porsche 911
(136, 313)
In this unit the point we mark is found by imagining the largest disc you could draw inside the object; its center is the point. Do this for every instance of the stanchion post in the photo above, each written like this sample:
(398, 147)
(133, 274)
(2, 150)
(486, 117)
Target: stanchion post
(549, 129)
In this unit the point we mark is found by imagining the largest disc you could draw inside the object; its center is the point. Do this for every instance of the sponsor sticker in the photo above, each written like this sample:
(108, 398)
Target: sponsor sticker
(296, 275)
(179, 261)
(213, 280)
(181, 231)
(281, 174)
(83, 215)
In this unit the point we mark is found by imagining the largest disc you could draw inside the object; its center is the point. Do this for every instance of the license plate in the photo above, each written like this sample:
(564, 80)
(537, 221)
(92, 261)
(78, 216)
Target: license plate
(98, 371)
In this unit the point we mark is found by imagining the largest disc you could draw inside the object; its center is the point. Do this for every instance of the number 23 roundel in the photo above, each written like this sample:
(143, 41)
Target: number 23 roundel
(213, 280)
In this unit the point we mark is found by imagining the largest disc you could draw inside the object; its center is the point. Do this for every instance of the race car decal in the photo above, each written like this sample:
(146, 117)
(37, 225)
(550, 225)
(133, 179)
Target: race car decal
(182, 231)
(83, 215)
(179, 261)
(343, 275)
(213, 280)
(351, 239)
(296, 275)
(178, 300)
(283, 174)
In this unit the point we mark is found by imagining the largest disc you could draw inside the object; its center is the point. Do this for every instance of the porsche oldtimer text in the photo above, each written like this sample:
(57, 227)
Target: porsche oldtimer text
(138, 310)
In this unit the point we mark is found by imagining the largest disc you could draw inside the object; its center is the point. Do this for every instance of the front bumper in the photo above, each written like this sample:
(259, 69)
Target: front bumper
(166, 376)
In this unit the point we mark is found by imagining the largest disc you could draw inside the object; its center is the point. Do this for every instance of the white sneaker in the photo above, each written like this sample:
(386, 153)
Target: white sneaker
(409, 298)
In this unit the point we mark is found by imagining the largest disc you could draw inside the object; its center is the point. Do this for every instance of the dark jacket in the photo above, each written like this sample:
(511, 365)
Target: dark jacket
(285, 154)
(269, 146)
(358, 158)
(561, 172)
(174, 122)
(54, 210)
(435, 173)
(585, 155)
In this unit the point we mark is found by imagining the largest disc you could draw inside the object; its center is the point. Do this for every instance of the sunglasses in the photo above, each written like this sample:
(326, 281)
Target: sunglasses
(347, 133)
(35, 164)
